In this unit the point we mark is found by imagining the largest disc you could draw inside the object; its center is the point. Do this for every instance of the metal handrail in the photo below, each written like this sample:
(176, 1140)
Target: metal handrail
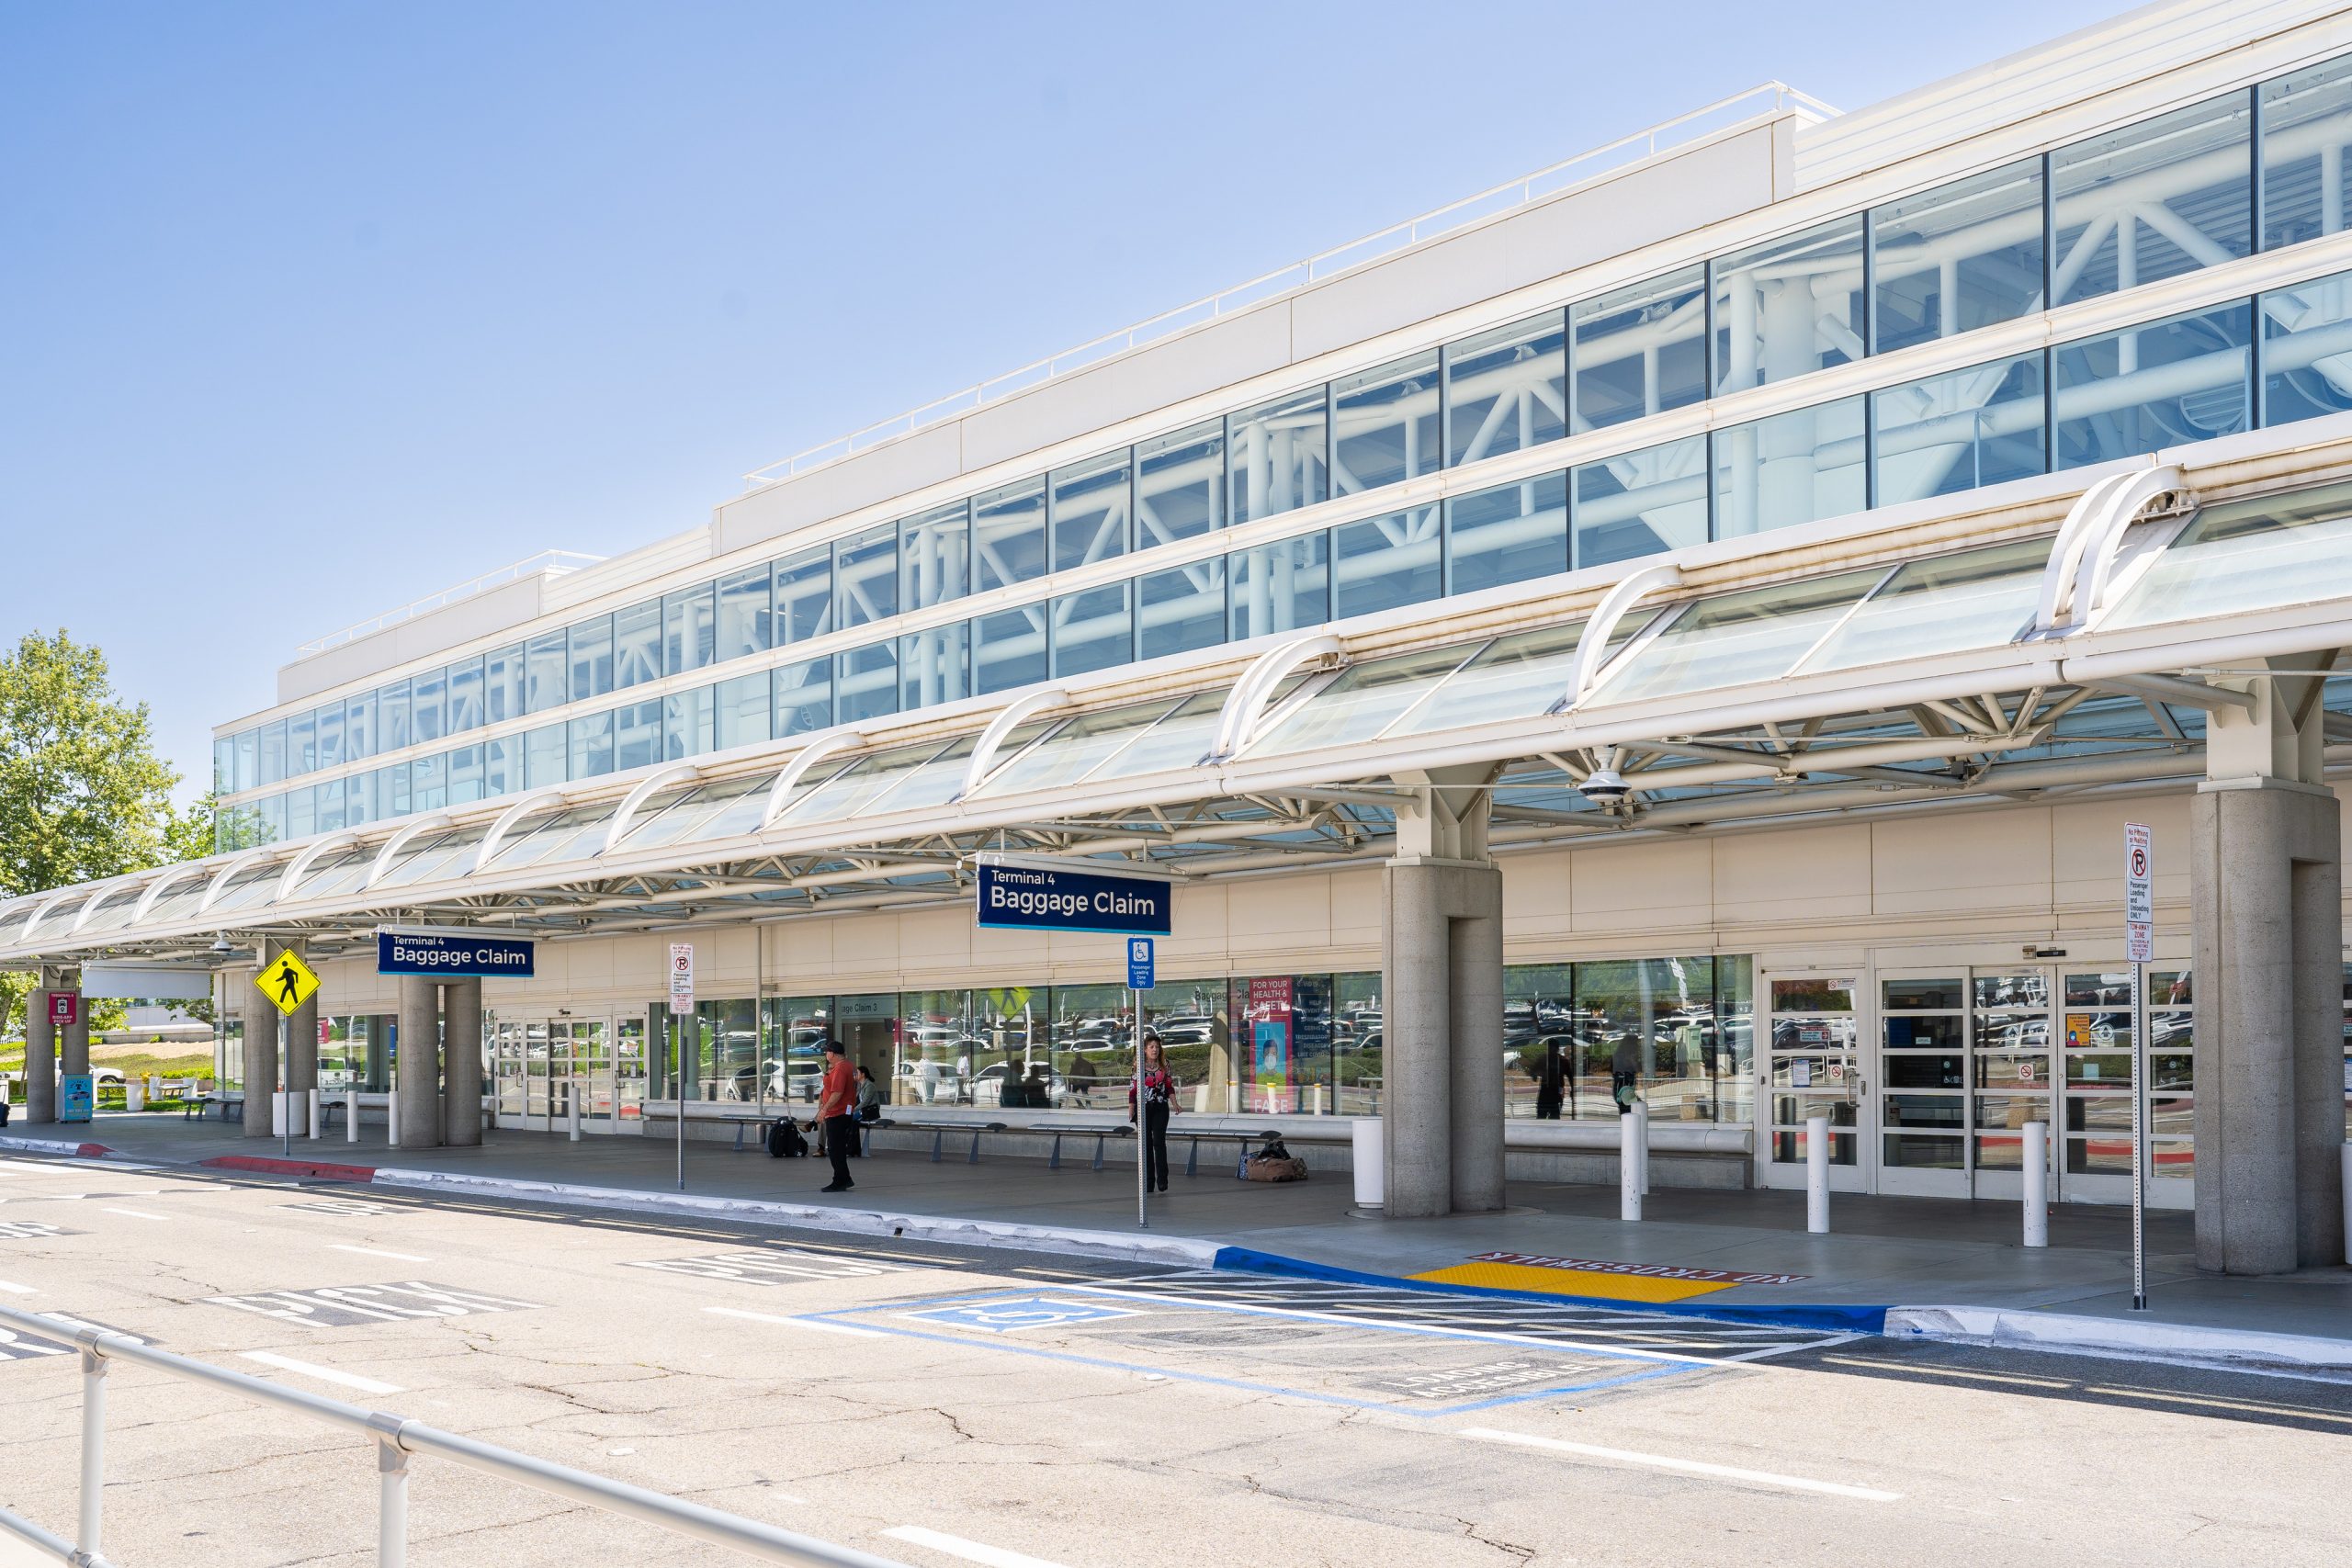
(553, 563)
(396, 1437)
(1546, 181)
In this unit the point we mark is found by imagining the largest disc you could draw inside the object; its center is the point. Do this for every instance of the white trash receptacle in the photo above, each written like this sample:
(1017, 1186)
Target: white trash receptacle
(1371, 1157)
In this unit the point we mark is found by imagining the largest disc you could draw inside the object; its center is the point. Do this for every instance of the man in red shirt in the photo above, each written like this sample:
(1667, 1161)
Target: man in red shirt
(835, 1105)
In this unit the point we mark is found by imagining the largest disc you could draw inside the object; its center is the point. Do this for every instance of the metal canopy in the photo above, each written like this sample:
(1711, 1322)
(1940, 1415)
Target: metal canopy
(2056, 661)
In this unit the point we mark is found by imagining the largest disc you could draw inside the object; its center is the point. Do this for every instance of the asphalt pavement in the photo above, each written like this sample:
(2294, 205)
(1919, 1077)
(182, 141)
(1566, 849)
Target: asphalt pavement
(936, 1404)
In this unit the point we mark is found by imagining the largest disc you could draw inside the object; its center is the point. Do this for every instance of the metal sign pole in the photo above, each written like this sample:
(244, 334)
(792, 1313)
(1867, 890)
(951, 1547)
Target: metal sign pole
(285, 1097)
(1143, 1117)
(2139, 1137)
(678, 1078)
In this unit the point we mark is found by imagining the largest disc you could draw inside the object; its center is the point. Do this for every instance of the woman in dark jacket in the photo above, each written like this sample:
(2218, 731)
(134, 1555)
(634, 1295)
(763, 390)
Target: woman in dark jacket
(1159, 1102)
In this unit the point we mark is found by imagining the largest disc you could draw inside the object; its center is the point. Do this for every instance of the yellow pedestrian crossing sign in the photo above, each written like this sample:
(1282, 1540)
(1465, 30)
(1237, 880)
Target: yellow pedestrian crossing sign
(287, 982)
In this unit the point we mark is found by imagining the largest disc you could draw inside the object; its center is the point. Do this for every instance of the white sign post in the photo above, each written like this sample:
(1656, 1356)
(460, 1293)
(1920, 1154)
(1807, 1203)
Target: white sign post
(682, 1012)
(2140, 946)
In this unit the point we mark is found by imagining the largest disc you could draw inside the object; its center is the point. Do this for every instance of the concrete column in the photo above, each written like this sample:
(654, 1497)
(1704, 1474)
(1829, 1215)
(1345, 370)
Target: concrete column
(380, 1055)
(73, 1040)
(261, 1049)
(420, 1062)
(461, 1061)
(1475, 964)
(2264, 879)
(41, 1056)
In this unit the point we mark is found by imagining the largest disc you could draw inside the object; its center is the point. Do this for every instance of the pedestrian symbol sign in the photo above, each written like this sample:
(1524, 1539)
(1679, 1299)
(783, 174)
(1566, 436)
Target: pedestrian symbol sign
(287, 982)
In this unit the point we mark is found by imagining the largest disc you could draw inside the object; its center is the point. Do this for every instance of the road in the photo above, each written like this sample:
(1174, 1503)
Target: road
(940, 1405)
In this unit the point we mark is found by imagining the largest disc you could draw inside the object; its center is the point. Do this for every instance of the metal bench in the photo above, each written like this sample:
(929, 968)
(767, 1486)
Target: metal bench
(199, 1104)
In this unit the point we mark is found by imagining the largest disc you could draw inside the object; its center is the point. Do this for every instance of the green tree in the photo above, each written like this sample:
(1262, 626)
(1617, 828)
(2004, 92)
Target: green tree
(82, 795)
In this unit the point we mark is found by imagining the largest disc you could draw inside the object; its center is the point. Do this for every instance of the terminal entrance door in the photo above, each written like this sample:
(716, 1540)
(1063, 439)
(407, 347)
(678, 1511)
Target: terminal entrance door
(1813, 1065)
(541, 1066)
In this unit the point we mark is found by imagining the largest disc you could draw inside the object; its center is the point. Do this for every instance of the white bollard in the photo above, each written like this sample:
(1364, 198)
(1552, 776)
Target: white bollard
(134, 1095)
(571, 1114)
(1816, 1175)
(2037, 1184)
(1629, 1170)
(1371, 1157)
(318, 1113)
(392, 1117)
(351, 1114)
(1200, 1099)
(155, 1087)
(1642, 1144)
(277, 1113)
(2347, 1198)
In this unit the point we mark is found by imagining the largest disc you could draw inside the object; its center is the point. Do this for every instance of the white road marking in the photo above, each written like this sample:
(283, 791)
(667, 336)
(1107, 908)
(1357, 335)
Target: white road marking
(1689, 1466)
(14, 1289)
(801, 1323)
(134, 1213)
(380, 1252)
(969, 1551)
(324, 1374)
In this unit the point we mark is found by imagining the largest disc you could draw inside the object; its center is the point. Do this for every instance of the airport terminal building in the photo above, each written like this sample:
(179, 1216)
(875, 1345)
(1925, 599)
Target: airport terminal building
(1707, 611)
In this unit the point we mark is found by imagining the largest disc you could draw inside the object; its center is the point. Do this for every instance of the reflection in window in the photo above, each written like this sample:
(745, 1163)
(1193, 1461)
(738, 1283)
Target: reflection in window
(391, 783)
(592, 745)
(866, 684)
(592, 659)
(1640, 350)
(1790, 306)
(1089, 504)
(428, 706)
(1510, 534)
(1093, 631)
(742, 710)
(1641, 502)
(637, 644)
(1008, 536)
(2139, 391)
(502, 688)
(1282, 586)
(1794, 467)
(1506, 390)
(689, 628)
(2306, 122)
(804, 697)
(1180, 485)
(1958, 257)
(686, 723)
(1279, 455)
(930, 665)
(2153, 201)
(271, 748)
(743, 604)
(391, 712)
(301, 744)
(1385, 424)
(544, 658)
(934, 555)
(1180, 610)
(464, 707)
(1959, 431)
(1380, 563)
(804, 595)
(866, 577)
(2307, 350)
(545, 758)
(502, 769)
(328, 723)
(637, 734)
(1009, 648)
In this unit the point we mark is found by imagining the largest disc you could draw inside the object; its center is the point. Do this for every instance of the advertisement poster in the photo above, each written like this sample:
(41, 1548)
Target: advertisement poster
(1271, 1016)
(73, 1097)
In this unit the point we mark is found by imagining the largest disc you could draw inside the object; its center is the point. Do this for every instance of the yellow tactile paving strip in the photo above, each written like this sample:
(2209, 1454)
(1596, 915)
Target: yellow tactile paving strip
(1594, 1277)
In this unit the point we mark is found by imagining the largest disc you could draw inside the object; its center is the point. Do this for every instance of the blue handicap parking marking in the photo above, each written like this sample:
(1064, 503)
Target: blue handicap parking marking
(1006, 1316)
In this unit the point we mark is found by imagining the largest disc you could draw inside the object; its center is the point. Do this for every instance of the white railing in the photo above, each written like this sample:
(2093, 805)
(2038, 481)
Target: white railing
(1770, 98)
(395, 1438)
(552, 563)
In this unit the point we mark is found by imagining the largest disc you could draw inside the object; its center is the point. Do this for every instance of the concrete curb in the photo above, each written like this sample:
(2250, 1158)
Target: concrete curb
(52, 1146)
(2243, 1349)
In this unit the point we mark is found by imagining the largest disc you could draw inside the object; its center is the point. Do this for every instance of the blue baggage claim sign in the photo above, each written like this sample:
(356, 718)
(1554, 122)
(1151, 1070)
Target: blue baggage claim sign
(1030, 896)
(458, 953)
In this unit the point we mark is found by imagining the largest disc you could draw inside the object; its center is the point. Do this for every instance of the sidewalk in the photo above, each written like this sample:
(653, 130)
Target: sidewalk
(1902, 1266)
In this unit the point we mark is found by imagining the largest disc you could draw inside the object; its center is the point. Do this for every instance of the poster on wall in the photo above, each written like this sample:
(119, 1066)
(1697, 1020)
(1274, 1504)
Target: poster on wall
(1272, 1015)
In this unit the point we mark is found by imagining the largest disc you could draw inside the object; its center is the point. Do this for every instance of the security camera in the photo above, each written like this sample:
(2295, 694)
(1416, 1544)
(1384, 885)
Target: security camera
(221, 946)
(1605, 788)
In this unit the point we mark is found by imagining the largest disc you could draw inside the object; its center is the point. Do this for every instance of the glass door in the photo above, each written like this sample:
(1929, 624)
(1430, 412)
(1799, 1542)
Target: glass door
(506, 1066)
(2012, 1055)
(534, 1072)
(628, 1068)
(1923, 1085)
(1812, 1067)
(592, 1069)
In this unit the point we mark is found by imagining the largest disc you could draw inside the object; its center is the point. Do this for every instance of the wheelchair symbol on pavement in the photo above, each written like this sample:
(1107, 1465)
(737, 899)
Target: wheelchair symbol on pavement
(1024, 1312)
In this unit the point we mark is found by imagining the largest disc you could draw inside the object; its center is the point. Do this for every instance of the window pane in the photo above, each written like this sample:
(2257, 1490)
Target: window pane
(1008, 536)
(546, 757)
(2306, 121)
(2154, 199)
(1009, 648)
(2307, 331)
(637, 644)
(360, 789)
(804, 697)
(743, 600)
(1180, 485)
(686, 723)
(2144, 388)
(935, 557)
(502, 688)
(1790, 306)
(1944, 604)
(742, 710)
(1642, 503)
(592, 659)
(543, 674)
(1088, 511)
(1093, 630)
(1640, 350)
(930, 665)
(502, 767)
(272, 752)
(637, 734)
(392, 716)
(330, 806)
(1960, 430)
(1506, 390)
(689, 629)
(804, 595)
(1958, 257)
(301, 812)
(1383, 563)
(866, 682)
(327, 724)
(249, 752)
(1180, 609)
(1281, 587)
(428, 706)
(301, 745)
(592, 746)
(391, 783)
(1278, 456)
(1737, 638)
(1793, 467)
(465, 776)
(1508, 533)
(1387, 424)
(465, 700)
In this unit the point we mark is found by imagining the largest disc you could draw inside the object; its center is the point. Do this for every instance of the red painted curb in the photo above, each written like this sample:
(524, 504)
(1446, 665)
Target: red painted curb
(92, 1151)
(293, 1167)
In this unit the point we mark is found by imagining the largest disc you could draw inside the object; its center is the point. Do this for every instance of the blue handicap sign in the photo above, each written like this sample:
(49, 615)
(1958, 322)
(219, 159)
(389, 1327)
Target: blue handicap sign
(1139, 963)
(1009, 1317)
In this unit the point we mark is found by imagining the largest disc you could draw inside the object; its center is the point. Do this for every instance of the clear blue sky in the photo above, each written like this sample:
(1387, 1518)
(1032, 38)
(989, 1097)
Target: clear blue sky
(310, 308)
